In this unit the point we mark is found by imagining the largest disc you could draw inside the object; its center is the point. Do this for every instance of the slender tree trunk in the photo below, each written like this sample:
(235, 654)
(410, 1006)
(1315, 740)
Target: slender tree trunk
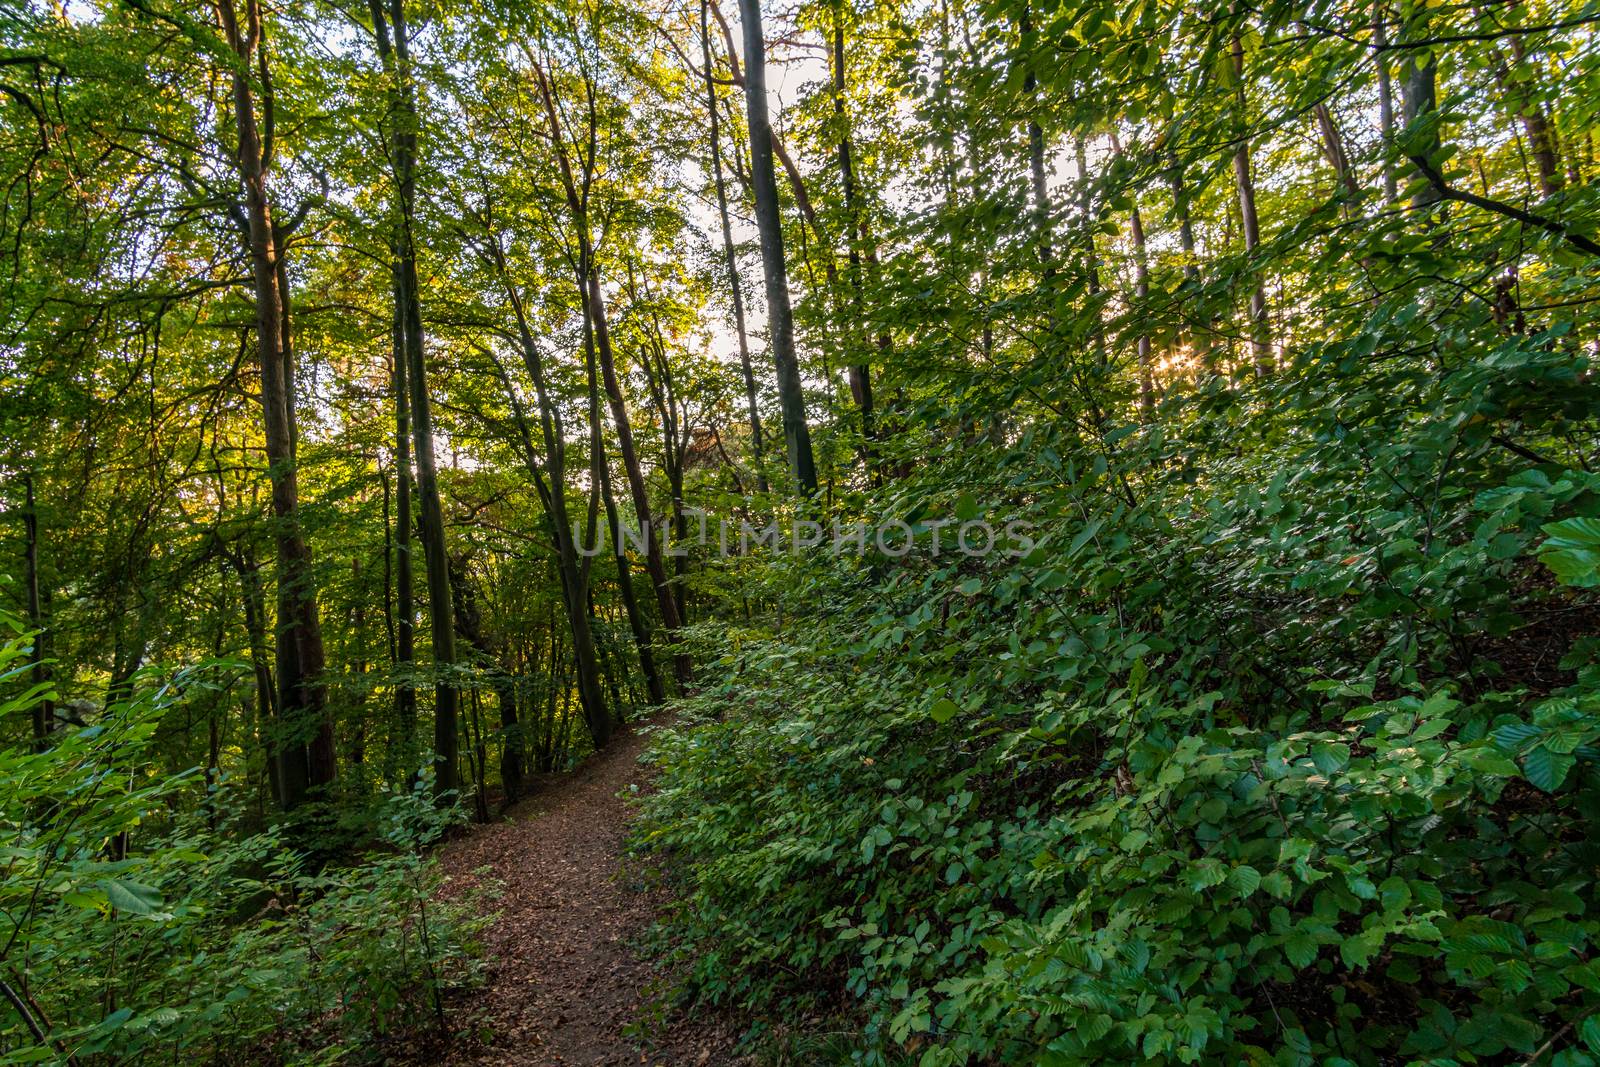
(1260, 328)
(1201, 337)
(512, 746)
(307, 749)
(43, 708)
(1091, 257)
(405, 694)
(1141, 292)
(735, 285)
(780, 318)
(654, 563)
(358, 664)
(447, 698)
(630, 603)
(609, 669)
(1380, 60)
(446, 695)
(597, 340)
(477, 758)
(553, 495)
(256, 633)
(1417, 93)
(469, 623)
(1041, 196)
(675, 434)
(859, 371)
(555, 680)
(1333, 150)
(1519, 85)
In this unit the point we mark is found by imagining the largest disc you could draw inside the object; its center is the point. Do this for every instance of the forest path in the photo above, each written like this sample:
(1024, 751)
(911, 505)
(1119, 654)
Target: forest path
(566, 983)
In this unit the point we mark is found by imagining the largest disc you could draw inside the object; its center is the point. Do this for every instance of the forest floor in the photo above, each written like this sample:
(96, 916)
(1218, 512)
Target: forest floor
(566, 980)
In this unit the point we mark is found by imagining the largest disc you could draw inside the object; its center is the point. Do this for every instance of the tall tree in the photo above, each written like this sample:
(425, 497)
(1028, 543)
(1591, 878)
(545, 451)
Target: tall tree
(306, 750)
(396, 56)
(735, 284)
(780, 317)
(1244, 181)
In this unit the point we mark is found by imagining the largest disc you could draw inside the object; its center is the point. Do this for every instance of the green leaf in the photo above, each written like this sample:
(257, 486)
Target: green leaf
(1278, 884)
(944, 709)
(1572, 551)
(1590, 1032)
(1300, 950)
(1546, 769)
(131, 897)
(1329, 757)
(1088, 531)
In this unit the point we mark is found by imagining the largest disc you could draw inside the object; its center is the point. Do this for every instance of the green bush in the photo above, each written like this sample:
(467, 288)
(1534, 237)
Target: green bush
(1288, 759)
(132, 932)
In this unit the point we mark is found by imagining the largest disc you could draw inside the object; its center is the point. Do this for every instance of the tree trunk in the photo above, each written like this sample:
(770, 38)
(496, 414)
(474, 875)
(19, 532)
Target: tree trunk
(44, 707)
(1141, 292)
(859, 371)
(1260, 335)
(654, 562)
(1041, 197)
(1200, 337)
(553, 495)
(396, 58)
(306, 752)
(405, 694)
(1518, 82)
(735, 286)
(1417, 94)
(780, 318)
(1380, 60)
(1091, 257)
(630, 603)
(1333, 150)
(266, 697)
(469, 622)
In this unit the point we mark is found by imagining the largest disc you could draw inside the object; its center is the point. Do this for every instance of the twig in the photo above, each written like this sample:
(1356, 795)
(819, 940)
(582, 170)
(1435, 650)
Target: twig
(34, 1028)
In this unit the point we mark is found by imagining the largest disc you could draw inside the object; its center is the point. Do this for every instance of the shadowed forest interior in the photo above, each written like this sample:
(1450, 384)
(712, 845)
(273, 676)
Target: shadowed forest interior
(1086, 512)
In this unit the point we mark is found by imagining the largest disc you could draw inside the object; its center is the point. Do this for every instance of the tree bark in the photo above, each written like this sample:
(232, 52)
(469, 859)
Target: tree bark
(306, 749)
(1141, 292)
(859, 371)
(405, 586)
(44, 707)
(396, 57)
(1380, 60)
(1260, 335)
(780, 318)
(655, 564)
(735, 285)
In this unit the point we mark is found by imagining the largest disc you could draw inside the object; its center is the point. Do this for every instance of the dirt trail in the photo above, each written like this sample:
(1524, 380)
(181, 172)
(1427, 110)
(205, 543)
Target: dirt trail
(565, 983)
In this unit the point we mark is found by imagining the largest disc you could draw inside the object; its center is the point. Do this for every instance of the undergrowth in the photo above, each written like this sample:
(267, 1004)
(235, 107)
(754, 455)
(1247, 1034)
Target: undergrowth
(1285, 756)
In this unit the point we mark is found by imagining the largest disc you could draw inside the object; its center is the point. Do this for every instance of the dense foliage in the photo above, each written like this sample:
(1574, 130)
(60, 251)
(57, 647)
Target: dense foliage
(342, 345)
(1201, 779)
(143, 935)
